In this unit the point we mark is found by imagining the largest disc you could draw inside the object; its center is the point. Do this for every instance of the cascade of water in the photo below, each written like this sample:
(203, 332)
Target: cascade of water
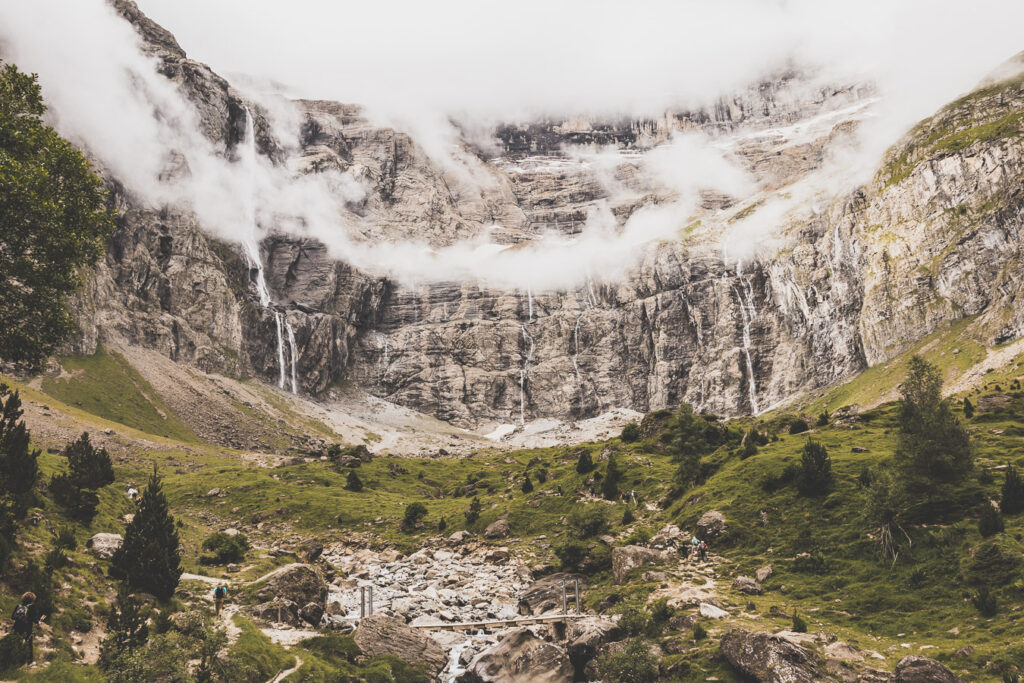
(576, 349)
(529, 298)
(522, 375)
(280, 349)
(748, 315)
(295, 359)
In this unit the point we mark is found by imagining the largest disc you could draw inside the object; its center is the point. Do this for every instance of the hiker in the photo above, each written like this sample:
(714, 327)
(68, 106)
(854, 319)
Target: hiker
(559, 489)
(219, 593)
(703, 548)
(24, 618)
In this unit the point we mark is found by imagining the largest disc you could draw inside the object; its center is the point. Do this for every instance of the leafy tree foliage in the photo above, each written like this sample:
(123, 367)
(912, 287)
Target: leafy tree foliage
(584, 464)
(53, 218)
(1012, 500)
(934, 447)
(224, 548)
(633, 664)
(19, 470)
(815, 476)
(126, 628)
(90, 468)
(631, 433)
(150, 557)
(612, 478)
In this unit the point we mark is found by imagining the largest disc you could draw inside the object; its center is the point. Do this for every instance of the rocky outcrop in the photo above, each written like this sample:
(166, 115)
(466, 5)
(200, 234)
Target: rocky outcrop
(545, 594)
(520, 656)
(767, 658)
(916, 669)
(627, 558)
(498, 529)
(277, 611)
(747, 585)
(585, 638)
(298, 583)
(711, 526)
(381, 635)
(103, 546)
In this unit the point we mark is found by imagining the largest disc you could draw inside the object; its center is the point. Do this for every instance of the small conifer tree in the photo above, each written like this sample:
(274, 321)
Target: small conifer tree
(353, 482)
(527, 484)
(149, 559)
(19, 470)
(1012, 500)
(473, 513)
(968, 408)
(612, 477)
(90, 468)
(815, 469)
(584, 463)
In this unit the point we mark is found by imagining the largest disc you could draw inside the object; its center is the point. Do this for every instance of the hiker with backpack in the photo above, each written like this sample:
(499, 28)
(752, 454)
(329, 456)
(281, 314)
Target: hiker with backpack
(703, 549)
(219, 593)
(25, 618)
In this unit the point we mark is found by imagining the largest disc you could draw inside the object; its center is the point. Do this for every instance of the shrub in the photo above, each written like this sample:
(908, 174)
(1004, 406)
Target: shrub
(823, 419)
(224, 548)
(66, 538)
(588, 520)
(633, 664)
(14, 651)
(985, 602)
(90, 468)
(628, 517)
(571, 553)
(699, 632)
(19, 470)
(584, 463)
(612, 478)
(527, 484)
(799, 624)
(353, 482)
(968, 408)
(661, 613)
(639, 536)
(442, 524)
(809, 563)
(992, 565)
(636, 621)
(79, 504)
(866, 477)
(473, 512)
(631, 433)
(126, 628)
(798, 425)
(815, 476)
(542, 475)
(56, 559)
(1011, 501)
(414, 512)
(772, 483)
(990, 522)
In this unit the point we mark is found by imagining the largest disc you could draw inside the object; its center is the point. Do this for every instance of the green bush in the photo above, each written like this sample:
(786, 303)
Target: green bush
(630, 433)
(473, 512)
(798, 425)
(571, 553)
(774, 482)
(56, 559)
(527, 484)
(823, 419)
(815, 477)
(636, 621)
(633, 664)
(628, 517)
(90, 468)
(14, 652)
(699, 632)
(589, 520)
(542, 475)
(990, 522)
(968, 408)
(612, 478)
(224, 548)
(799, 624)
(584, 463)
(79, 504)
(414, 512)
(640, 536)
(1011, 501)
(66, 538)
(353, 482)
(985, 602)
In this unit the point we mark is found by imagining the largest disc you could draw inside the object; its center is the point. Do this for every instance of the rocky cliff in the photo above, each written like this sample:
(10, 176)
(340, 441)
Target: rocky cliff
(934, 238)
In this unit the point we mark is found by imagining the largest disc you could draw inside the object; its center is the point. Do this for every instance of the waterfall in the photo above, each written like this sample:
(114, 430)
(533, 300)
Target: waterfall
(748, 312)
(522, 375)
(576, 349)
(529, 298)
(280, 349)
(295, 360)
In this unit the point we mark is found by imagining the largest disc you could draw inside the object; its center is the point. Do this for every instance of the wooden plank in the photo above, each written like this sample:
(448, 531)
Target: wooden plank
(496, 623)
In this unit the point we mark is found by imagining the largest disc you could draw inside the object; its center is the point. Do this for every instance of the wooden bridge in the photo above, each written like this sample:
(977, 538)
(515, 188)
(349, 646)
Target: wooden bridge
(499, 623)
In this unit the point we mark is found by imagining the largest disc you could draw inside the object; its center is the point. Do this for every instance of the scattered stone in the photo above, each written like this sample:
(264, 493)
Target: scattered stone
(747, 585)
(231, 532)
(843, 651)
(627, 558)
(213, 493)
(917, 669)
(858, 449)
(312, 613)
(545, 595)
(520, 656)
(459, 537)
(497, 555)
(770, 659)
(104, 546)
(381, 635)
(709, 611)
(711, 525)
(764, 573)
(312, 551)
(499, 529)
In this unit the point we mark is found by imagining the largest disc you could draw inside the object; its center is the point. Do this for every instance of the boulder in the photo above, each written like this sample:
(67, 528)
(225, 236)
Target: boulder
(312, 613)
(497, 556)
(349, 461)
(767, 658)
(917, 669)
(586, 636)
(545, 595)
(213, 493)
(519, 656)
(764, 573)
(747, 585)
(630, 557)
(709, 611)
(380, 635)
(711, 525)
(299, 583)
(459, 537)
(312, 551)
(499, 529)
(278, 611)
(104, 546)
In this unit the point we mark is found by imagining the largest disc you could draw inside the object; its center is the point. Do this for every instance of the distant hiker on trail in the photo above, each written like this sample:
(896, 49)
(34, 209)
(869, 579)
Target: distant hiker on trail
(703, 548)
(559, 489)
(25, 618)
(632, 494)
(219, 593)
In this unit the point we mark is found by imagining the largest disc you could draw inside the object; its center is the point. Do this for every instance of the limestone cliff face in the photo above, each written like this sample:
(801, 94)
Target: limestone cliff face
(936, 237)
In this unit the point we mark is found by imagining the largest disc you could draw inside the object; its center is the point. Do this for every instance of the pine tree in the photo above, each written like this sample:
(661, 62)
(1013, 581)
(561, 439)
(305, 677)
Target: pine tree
(126, 628)
(933, 447)
(353, 483)
(150, 557)
(473, 513)
(19, 470)
(968, 408)
(527, 484)
(1012, 500)
(612, 477)
(584, 463)
(815, 469)
(90, 468)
